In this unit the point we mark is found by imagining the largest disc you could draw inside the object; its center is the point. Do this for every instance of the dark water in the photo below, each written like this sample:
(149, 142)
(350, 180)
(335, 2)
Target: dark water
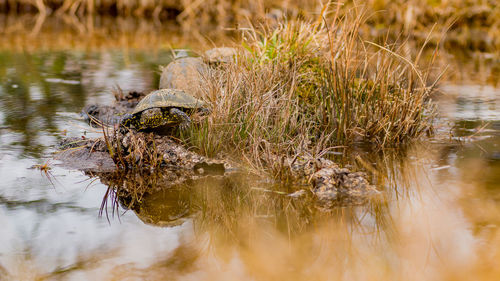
(441, 201)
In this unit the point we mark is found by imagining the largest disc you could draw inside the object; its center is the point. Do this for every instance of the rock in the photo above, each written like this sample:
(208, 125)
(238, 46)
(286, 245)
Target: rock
(96, 115)
(220, 55)
(184, 74)
(331, 184)
(339, 184)
(111, 115)
(89, 155)
(137, 150)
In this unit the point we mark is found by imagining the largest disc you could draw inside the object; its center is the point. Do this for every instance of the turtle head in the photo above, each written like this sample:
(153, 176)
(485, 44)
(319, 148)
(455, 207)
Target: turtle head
(127, 120)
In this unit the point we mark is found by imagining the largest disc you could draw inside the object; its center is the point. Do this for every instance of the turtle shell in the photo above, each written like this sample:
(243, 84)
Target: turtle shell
(168, 98)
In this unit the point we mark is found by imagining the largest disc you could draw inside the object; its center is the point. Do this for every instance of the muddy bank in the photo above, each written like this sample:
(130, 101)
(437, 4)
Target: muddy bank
(93, 155)
(89, 155)
(175, 165)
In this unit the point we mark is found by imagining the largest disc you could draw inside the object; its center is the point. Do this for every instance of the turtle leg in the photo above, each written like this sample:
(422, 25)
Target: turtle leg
(185, 120)
(151, 118)
(126, 122)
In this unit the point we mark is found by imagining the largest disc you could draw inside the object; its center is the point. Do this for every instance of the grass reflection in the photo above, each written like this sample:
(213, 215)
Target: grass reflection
(426, 227)
(231, 205)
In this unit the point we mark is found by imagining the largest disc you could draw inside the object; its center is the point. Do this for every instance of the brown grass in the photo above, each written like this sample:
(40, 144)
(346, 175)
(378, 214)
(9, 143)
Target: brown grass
(304, 88)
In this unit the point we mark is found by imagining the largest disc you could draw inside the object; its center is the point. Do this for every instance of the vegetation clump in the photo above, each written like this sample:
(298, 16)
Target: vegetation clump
(304, 88)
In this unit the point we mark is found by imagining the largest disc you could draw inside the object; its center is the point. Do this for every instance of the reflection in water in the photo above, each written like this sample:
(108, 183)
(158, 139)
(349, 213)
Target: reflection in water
(475, 68)
(471, 102)
(231, 214)
(29, 101)
(154, 197)
(35, 89)
(240, 231)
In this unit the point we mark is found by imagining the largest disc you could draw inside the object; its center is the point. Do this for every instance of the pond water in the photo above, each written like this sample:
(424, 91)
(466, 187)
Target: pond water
(438, 218)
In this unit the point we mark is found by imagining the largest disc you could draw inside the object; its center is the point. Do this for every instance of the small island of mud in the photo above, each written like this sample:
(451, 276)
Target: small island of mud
(272, 106)
(165, 150)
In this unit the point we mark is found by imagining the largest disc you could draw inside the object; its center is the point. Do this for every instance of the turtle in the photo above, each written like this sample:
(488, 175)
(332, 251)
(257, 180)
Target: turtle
(163, 108)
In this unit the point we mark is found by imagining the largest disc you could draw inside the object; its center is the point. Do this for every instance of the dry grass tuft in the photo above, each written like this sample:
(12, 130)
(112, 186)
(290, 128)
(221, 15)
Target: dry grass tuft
(139, 153)
(304, 88)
